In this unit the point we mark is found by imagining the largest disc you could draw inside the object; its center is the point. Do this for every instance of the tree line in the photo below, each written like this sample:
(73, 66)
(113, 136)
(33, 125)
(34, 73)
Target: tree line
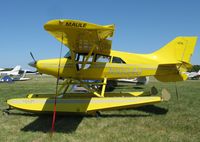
(195, 68)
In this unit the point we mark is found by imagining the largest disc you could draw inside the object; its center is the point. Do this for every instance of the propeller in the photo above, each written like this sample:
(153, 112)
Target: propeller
(33, 63)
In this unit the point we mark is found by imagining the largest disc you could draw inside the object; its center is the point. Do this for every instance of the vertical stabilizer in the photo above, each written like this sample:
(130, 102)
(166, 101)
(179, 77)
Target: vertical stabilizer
(16, 69)
(178, 50)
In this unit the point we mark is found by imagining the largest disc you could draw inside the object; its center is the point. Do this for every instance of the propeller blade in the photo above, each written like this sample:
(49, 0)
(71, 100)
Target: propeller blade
(32, 56)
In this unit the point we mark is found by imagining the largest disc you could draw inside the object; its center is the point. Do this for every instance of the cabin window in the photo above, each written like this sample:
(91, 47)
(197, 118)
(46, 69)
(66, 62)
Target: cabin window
(118, 60)
(83, 57)
(102, 58)
(80, 58)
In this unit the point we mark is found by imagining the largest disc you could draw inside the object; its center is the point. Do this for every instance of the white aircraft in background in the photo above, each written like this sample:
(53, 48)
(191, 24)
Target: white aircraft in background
(137, 81)
(13, 72)
(111, 84)
(1, 69)
(20, 77)
(193, 75)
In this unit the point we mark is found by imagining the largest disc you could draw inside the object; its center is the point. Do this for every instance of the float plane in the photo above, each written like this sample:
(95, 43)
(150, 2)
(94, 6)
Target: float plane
(90, 57)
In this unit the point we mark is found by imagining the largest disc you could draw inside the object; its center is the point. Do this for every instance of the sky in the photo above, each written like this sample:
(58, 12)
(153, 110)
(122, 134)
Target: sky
(141, 26)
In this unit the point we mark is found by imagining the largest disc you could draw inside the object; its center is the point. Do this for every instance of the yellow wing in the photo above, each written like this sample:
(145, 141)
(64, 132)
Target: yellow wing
(81, 36)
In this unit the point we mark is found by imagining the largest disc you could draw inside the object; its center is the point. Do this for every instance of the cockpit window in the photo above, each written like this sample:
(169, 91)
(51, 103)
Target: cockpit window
(118, 60)
(102, 58)
(68, 55)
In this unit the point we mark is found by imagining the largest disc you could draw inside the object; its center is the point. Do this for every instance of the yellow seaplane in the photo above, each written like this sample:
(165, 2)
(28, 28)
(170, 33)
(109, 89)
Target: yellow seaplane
(90, 58)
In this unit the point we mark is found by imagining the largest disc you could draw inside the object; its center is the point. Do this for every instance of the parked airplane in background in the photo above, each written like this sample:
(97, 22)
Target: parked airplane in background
(138, 81)
(193, 75)
(1, 69)
(15, 71)
(20, 77)
(111, 84)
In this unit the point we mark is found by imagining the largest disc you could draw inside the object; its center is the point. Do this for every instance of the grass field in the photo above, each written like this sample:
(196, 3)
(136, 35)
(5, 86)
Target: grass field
(176, 120)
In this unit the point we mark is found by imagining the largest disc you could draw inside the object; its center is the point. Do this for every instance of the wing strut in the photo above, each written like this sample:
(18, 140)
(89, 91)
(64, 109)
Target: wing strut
(103, 87)
(88, 56)
(69, 82)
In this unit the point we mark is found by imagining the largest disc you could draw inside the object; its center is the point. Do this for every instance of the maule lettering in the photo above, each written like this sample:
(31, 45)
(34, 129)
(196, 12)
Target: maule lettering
(78, 25)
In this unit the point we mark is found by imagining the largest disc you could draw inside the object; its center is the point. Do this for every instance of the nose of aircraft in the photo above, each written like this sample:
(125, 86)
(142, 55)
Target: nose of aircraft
(32, 64)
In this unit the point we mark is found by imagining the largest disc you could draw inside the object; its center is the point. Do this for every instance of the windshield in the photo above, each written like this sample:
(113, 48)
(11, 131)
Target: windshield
(68, 55)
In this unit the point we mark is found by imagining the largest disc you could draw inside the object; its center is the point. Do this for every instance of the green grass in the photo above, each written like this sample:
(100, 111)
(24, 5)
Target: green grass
(176, 120)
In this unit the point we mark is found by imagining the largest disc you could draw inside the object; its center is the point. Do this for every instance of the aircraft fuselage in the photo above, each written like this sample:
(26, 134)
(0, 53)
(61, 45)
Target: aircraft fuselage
(114, 66)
